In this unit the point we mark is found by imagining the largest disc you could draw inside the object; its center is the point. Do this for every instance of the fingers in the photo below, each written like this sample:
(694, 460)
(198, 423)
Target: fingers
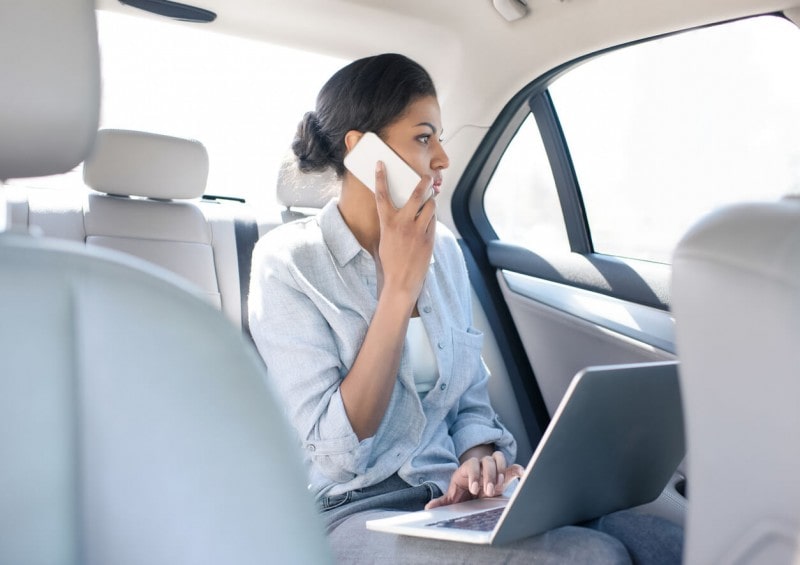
(483, 477)
(514, 472)
(495, 475)
(472, 468)
(416, 201)
(436, 502)
(489, 475)
(382, 190)
(419, 205)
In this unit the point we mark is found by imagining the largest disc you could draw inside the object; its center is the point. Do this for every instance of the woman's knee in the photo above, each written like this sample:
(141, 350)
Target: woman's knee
(577, 545)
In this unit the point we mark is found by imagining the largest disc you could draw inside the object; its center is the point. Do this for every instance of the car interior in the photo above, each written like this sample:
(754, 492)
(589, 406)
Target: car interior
(623, 184)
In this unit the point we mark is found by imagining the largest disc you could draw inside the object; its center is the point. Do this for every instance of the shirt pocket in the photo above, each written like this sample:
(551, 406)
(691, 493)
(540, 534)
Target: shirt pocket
(467, 363)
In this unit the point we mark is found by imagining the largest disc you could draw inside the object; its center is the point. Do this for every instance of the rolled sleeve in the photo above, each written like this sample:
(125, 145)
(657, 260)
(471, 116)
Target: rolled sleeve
(333, 445)
(476, 422)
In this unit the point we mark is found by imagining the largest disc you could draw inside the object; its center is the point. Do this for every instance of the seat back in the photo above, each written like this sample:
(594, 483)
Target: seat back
(736, 300)
(136, 425)
(303, 193)
(145, 201)
(143, 180)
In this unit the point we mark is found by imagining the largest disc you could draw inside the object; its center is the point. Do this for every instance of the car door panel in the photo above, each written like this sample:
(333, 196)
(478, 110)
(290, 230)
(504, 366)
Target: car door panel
(564, 329)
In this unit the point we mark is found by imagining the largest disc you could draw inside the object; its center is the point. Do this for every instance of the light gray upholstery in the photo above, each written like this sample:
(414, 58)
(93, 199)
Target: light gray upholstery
(736, 300)
(157, 228)
(137, 163)
(135, 422)
(296, 189)
(50, 100)
(174, 235)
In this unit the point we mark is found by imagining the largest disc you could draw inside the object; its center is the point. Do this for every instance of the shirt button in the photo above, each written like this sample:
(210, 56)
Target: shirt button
(421, 480)
(440, 345)
(427, 309)
(442, 386)
(311, 447)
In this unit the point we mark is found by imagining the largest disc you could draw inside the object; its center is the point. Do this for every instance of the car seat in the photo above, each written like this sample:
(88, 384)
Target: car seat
(136, 425)
(736, 300)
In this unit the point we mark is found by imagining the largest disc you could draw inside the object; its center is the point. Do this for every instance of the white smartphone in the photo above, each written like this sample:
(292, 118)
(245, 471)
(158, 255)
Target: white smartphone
(400, 177)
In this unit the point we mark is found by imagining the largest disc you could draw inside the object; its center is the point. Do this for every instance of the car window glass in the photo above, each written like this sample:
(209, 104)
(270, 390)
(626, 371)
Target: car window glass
(520, 200)
(242, 99)
(664, 131)
(660, 133)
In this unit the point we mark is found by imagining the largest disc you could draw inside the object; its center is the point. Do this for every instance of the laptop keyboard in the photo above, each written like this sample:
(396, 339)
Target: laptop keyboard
(481, 522)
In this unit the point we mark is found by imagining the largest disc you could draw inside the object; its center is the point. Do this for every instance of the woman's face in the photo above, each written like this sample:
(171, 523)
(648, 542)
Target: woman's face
(416, 137)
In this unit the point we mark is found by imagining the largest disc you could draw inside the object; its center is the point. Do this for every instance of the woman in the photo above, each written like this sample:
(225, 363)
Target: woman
(362, 315)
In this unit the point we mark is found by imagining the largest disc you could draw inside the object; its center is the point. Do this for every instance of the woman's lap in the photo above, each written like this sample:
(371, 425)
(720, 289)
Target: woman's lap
(353, 543)
(622, 537)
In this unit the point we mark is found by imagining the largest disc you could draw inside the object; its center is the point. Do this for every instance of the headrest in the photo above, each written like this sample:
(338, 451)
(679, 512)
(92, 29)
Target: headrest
(50, 80)
(136, 163)
(305, 190)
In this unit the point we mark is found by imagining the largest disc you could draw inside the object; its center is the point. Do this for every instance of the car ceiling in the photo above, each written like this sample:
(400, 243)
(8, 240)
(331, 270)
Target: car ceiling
(445, 35)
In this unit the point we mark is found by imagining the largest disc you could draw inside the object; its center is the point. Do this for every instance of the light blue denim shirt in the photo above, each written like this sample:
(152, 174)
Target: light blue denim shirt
(313, 292)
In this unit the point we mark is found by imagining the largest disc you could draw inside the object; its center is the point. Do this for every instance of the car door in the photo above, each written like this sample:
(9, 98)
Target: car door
(571, 206)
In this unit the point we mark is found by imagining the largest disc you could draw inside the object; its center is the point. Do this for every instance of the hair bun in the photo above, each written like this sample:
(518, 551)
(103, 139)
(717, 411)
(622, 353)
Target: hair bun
(310, 146)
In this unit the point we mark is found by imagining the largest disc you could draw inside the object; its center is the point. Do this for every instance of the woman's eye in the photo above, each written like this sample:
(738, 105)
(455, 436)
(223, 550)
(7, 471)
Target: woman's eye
(424, 139)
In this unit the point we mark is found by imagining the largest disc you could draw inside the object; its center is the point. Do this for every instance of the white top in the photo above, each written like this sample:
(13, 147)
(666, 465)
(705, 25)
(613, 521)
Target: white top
(423, 360)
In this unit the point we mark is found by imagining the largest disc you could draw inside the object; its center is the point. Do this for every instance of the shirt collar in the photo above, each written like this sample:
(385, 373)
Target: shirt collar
(337, 235)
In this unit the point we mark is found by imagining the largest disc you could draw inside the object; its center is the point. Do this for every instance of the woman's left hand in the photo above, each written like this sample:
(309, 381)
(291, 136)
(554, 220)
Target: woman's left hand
(478, 477)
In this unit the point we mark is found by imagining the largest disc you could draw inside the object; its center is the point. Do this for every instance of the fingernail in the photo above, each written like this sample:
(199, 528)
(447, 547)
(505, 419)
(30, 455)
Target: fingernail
(474, 488)
(490, 489)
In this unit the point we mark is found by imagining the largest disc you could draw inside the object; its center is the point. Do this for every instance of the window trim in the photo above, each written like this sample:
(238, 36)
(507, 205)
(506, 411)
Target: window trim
(564, 175)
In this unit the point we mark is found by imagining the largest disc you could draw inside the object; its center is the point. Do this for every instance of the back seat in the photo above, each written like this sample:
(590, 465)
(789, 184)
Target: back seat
(145, 201)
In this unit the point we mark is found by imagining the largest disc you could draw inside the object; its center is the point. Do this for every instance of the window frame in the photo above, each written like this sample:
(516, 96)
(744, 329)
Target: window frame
(636, 280)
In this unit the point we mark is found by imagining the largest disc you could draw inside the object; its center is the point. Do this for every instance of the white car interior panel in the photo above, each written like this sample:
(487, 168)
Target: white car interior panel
(736, 298)
(501, 393)
(124, 439)
(642, 323)
(559, 344)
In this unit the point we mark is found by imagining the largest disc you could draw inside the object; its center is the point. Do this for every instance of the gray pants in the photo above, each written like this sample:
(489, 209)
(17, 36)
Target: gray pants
(623, 537)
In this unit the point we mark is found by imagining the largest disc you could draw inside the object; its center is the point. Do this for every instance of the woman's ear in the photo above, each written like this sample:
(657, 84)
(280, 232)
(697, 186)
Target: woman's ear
(351, 138)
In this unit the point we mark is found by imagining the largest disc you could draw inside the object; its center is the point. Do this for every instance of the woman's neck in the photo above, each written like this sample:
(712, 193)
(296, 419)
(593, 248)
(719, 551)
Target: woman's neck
(357, 206)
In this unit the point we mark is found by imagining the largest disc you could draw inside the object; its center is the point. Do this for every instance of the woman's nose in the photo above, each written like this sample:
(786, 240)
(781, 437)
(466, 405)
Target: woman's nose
(440, 159)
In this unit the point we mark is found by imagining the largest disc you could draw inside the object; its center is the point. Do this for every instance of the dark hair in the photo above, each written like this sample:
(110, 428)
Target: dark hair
(367, 95)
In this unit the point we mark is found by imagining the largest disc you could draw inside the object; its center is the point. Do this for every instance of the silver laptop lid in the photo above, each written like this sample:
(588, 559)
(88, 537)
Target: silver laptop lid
(613, 443)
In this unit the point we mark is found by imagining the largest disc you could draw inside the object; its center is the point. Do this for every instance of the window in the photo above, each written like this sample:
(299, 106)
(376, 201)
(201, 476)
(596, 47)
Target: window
(242, 99)
(662, 132)
(521, 199)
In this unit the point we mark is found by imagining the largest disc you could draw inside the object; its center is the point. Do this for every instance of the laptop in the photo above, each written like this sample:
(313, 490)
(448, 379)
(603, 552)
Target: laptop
(613, 443)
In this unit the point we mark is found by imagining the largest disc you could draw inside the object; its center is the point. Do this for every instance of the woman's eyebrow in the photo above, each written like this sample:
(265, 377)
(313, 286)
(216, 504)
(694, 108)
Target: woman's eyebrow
(428, 124)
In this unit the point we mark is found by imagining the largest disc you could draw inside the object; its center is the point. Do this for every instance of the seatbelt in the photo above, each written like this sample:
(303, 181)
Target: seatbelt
(246, 231)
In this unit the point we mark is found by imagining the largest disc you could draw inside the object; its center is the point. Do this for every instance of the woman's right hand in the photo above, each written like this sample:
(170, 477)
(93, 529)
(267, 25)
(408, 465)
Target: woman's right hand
(407, 237)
